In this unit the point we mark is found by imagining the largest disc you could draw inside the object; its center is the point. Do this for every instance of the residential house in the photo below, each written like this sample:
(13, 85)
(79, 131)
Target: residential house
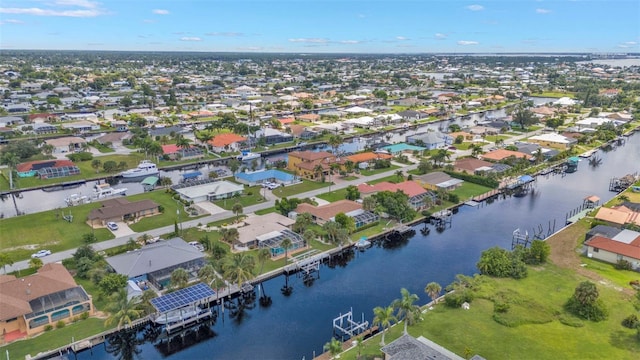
(11, 120)
(261, 176)
(408, 347)
(626, 213)
(502, 154)
(410, 115)
(431, 140)
(47, 169)
(553, 140)
(365, 159)
(471, 165)
(226, 142)
(268, 231)
(438, 180)
(66, 144)
(304, 163)
(81, 126)
(625, 245)
(173, 152)
(323, 213)
(41, 129)
(272, 136)
(400, 148)
(419, 197)
(31, 303)
(121, 209)
(208, 190)
(153, 263)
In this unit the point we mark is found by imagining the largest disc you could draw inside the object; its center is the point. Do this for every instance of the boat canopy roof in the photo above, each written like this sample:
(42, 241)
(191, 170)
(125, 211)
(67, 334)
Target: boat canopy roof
(196, 294)
(191, 175)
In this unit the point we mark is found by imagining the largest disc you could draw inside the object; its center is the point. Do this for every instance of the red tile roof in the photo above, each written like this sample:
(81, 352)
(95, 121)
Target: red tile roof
(311, 155)
(367, 156)
(223, 140)
(503, 154)
(410, 188)
(286, 121)
(326, 212)
(631, 250)
(27, 166)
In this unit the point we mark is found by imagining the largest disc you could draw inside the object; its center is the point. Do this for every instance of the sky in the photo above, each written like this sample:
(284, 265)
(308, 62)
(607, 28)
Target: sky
(323, 26)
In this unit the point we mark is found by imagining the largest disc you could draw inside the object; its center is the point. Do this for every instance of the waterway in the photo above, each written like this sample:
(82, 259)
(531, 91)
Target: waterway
(296, 327)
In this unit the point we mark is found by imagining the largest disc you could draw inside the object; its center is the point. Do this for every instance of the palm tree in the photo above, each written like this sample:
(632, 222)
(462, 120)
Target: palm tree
(182, 142)
(476, 150)
(399, 175)
(123, 310)
(11, 160)
(179, 278)
(302, 222)
(35, 263)
(334, 347)
(230, 235)
(383, 317)
(440, 156)
(145, 301)
(286, 244)
(237, 209)
(206, 274)
(5, 259)
(204, 137)
(335, 141)
(96, 163)
(406, 307)
(239, 268)
(318, 171)
(433, 290)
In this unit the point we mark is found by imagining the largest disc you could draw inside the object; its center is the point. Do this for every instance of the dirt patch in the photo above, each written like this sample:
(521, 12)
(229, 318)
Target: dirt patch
(23, 247)
(563, 253)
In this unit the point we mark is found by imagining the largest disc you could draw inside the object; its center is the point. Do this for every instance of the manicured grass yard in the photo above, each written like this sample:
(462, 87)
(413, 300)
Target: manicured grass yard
(21, 236)
(250, 196)
(378, 171)
(468, 190)
(536, 332)
(334, 195)
(55, 338)
(305, 186)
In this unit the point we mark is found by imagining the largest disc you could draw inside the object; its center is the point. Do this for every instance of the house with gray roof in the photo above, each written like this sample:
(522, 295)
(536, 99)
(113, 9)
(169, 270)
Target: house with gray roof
(155, 262)
(408, 347)
(121, 209)
(438, 180)
(430, 139)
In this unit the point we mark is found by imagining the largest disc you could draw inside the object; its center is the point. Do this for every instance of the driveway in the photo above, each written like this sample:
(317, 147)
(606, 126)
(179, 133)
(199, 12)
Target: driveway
(123, 230)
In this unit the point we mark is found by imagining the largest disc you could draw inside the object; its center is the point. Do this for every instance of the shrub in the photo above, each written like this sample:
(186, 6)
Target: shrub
(570, 321)
(501, 307)
(631, 321)
(48, 327)
(623, 265)
(80, 156)
(84, 315)
(60, 324)
(457, 298)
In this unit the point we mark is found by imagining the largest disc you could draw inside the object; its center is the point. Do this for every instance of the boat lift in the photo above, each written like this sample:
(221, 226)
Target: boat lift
(344, 325)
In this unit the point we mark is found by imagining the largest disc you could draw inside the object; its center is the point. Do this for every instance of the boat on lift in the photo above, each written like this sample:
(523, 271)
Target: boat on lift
(102, 191)
(144, 168)
(248, 156)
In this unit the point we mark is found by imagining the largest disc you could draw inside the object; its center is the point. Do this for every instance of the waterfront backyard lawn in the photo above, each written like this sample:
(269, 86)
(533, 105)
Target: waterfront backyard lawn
(468, 190)
(534, 323)
(54, 339)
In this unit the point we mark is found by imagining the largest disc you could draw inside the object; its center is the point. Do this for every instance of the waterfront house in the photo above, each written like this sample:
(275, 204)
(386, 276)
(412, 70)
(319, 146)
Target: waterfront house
(365, 159)
(268, 231)
(208, 190)
(502, 154)
(431, 140)
(400, 148)
(173, 152)
(304, 163)
(272, 136)
(258, 177)
(153, 263)
(438, 180)
(226, 142)
(627, 213)
(31, 303)
(419, 197)
(121, 209)
(471, 165)
(47, 169)
(323, 213)
(66, 144)
(553, 140)
(625, 245)
(408, 347)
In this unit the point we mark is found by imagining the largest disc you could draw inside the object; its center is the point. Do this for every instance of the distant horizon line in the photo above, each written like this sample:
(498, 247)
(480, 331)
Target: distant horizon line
(566, 53)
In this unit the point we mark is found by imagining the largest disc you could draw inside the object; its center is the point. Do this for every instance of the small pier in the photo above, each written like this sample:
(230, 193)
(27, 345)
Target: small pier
(402, 229)
(519, 238)
(621, 184)
(344, 325)
(442, 218)
(521, 186)
(185, 323)
(487, 195)
(308, 264)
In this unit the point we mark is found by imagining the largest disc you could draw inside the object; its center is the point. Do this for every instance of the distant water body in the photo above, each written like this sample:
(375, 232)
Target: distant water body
(614, 62)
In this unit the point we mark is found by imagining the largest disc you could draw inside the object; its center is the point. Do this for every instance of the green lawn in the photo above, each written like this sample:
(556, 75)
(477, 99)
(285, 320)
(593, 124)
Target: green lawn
(535, 314)
(53, 339)
(378, 171)
(250, 196)
(468, 190)
(23, 235)
(265, 211)
(168, 217)
(554, 94)
(334, 195)
(305, 186)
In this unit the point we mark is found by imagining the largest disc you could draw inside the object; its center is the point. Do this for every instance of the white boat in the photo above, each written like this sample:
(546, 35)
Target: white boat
(144, 168)
(77, 199)
(102, 191)
(248, 156)
(363, 243)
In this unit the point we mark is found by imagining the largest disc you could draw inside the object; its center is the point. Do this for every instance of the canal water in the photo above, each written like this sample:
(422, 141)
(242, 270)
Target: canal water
(297, 326)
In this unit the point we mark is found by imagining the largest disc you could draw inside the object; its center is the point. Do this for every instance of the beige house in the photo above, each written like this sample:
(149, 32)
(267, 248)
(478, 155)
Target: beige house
(623, 246)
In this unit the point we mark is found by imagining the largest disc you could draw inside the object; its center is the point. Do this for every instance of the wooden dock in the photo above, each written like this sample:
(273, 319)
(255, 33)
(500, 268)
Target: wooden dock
(487, 195)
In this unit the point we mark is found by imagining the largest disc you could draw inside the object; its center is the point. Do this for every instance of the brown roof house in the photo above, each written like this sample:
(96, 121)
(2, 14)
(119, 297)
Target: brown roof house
(122, 210)
(623, 246)
(323, 213)
(29, 304)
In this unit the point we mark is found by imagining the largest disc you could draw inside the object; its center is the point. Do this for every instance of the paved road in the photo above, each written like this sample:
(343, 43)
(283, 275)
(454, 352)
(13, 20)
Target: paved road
(59, 256)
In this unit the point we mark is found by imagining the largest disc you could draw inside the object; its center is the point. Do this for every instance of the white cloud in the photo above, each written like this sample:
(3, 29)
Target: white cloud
(160, 11)
(309, 40)
(11, 21)
(401, 38)
(190, 38)
(49, 12)
(630, 43)
(475, 7)
(79, 3)
(542, 11)
(467, 42)
(226, 33)
(350, 42)
(440, 36)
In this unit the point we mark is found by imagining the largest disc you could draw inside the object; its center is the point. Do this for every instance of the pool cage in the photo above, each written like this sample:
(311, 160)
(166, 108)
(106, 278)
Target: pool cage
(273, 241)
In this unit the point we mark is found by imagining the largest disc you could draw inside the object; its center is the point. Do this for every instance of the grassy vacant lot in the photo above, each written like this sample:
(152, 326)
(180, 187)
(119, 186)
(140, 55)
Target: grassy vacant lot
(554, 94)
(334, 195)
(468, 190)
(22, 235)
(378, 171)
(250, 196)
(55, 338)
(305, 186)
(532, 328)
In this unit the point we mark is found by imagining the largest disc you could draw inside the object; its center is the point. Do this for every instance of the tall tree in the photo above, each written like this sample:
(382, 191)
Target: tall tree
(433, 289)
(384, 317)
(123, 311)
(238, 268)
(5, 259)
(286, 244)
(334, 347)
(179, 278)
(303, 221)
(406, 307)
(237, 209)
(335, 141)
(206, 274)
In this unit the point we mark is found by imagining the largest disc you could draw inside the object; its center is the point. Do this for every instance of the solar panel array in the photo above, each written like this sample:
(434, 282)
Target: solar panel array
(182, 297)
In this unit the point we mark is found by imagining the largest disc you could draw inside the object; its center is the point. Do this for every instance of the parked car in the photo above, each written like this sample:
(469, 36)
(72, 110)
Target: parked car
(112, 226)
(41, 253)
(197, 245)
